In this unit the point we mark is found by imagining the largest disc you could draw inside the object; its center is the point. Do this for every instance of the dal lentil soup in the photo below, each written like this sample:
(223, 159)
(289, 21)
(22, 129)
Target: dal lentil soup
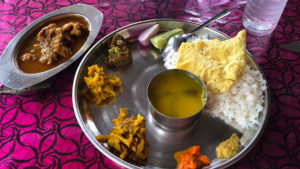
(176, 94)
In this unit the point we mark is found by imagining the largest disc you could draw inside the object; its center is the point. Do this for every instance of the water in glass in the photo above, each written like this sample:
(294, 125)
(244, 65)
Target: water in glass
(261, 16)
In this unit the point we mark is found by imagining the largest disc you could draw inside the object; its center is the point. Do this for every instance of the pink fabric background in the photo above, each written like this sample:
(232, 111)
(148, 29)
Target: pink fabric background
(38, 129)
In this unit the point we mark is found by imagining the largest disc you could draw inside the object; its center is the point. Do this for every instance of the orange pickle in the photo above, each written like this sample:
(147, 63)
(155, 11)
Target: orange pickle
(191, 158)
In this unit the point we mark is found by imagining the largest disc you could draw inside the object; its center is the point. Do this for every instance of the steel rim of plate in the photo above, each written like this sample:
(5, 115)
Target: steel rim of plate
(116, 159)
(13, 78)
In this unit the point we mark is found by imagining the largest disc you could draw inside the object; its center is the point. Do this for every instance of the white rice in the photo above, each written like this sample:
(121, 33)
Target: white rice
(241, 104)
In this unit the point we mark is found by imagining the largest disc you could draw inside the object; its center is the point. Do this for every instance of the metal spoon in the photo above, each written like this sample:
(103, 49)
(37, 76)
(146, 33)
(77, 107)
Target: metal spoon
(175, 41)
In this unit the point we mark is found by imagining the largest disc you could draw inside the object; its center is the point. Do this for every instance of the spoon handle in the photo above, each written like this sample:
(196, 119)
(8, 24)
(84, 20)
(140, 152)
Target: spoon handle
(220, 15)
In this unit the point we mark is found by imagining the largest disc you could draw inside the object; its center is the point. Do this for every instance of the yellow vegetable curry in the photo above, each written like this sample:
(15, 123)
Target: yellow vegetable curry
(128, 137)
(101, 89)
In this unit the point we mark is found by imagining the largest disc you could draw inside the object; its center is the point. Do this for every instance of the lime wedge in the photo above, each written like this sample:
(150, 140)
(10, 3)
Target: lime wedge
(160, 41)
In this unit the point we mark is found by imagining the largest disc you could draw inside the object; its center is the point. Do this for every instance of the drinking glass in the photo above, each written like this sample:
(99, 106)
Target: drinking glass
(261, 16)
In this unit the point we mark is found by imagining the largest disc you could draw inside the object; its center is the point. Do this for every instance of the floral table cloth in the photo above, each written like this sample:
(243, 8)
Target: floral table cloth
(38, 129)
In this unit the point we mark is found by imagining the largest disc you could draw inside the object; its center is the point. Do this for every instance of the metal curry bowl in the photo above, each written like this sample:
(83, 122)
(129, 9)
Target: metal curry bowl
(208, 132)
(173, 123)
(12, 77)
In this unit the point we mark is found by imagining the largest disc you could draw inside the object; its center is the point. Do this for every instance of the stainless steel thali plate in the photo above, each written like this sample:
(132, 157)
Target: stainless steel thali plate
(208, 132)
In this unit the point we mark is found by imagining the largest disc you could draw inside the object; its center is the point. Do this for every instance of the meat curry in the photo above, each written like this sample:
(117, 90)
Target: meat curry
(54, 44)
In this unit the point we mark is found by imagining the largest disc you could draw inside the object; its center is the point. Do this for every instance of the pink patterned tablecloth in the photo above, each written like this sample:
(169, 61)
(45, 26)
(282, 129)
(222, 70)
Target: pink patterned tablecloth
(38, 129)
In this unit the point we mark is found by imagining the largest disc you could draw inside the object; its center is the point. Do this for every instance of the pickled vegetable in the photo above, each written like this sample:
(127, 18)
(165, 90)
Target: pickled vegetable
(119, 53)
(191, 158)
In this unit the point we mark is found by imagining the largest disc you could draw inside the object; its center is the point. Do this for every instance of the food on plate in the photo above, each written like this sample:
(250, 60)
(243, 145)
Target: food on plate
(101, 89)
(160, 41)
(170, 61)
(242, 103)
(128, 137)
(191, 158)
(119, 53)
(155, 53)
(136, 30)
(176, 94)
(146, 50)
(53, 44)
(147, 34)
(229, 147)
(219, 64)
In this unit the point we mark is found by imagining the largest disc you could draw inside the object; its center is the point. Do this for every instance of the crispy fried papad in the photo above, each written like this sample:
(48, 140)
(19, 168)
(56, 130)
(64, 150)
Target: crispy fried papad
(128, 138)
(219, 64)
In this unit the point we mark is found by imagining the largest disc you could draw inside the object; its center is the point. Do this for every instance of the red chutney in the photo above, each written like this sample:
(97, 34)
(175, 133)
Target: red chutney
(191, 158)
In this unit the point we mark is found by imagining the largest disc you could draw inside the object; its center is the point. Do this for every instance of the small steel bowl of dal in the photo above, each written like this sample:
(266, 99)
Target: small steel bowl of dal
(176, 98)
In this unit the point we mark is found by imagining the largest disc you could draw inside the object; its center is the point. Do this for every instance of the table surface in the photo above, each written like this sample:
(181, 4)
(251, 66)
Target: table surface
(38, 129)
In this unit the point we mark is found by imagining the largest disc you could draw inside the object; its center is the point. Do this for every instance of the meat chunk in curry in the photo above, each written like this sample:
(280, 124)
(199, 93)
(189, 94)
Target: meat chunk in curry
(73, 29)
(28, 57)
(54, 42)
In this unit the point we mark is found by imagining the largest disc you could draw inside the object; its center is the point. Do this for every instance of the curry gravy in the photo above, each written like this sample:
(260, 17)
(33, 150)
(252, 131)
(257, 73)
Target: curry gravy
(30, 66)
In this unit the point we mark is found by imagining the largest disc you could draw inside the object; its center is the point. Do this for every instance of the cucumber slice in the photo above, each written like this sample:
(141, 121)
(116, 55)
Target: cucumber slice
(160, 41)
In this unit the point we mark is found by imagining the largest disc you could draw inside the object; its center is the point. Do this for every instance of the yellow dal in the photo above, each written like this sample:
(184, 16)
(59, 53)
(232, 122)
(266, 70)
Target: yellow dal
(176, 95)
